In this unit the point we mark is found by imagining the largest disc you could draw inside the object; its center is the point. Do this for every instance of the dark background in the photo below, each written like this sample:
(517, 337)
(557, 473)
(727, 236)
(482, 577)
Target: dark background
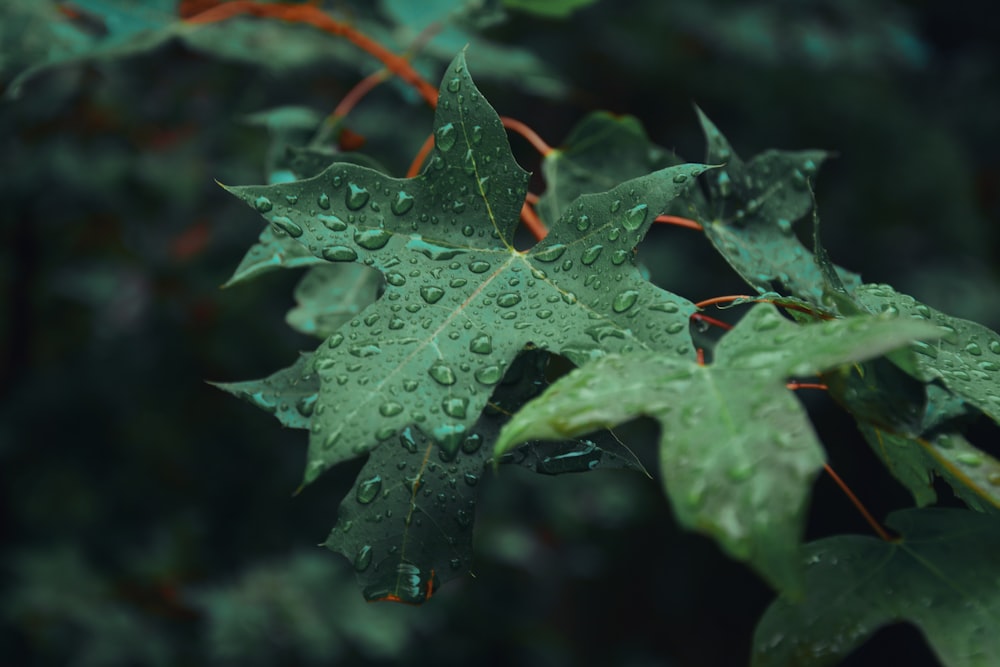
(147, 518)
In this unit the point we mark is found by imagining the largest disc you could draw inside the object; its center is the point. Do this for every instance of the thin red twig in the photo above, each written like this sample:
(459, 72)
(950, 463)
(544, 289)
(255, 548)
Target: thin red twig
(527, 133)
(711, 320)
(793, 385)
(533, 222)
(680, 222)
(876, 526)
(422, 154)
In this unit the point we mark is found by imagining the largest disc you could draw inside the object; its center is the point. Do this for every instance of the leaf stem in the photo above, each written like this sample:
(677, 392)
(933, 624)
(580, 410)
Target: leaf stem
(680, 222)
(314, 16)
(533, 222)
(528, 133)
(876, 526)
(711, 320)
(422, 154)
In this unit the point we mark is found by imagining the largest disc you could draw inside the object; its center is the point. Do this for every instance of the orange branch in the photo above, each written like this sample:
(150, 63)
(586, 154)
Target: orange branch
(316, 17)
(711, 320)
(526, 132)
(355, 94)
(876, 526)
(680, 222)
(533, 222)
(721, 299)
(422, 154)
(806, 385)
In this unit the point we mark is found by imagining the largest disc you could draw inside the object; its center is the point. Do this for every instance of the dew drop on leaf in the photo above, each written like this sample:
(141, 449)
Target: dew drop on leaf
(431, 294)
(407, 440)
(970, 459)
(372, 239)
(390, 409)
(445, 137)
(635, 216)
(615, 205)
(455, 407)
(283, 224)
(624, 301)
(307, 405)
(488, 375)
(332, 222)
(479, 266)
(591, 254)
(356, 196)
(368, 489)
(552, 253)
(481, 344)
(680, 178)
(263, 204)
(508, 299)
(395, 279)
(442, 373)
(401, 203)
(323, 200)
(472, 443)
(339, 253)
(454, 85)
(363, 558)
(619, 256)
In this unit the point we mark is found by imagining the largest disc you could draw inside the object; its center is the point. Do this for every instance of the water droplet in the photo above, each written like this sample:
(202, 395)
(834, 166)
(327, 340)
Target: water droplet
(431, 294)
(470, 479)
(323, 200)
(445, 137)
(635, 216)
(619, 256)
(479, 267)
(364, 351)
(583, 223)
(543, 314)
(407, 440)
(481, 344)
(307, 405)
(550, 254)
(472, 443)
(284, 224)
(488, 375)
(332, 222)
(368, 489)
(591, 254)
(434, 251)
(395, 279)
(993, 478)
(680, 178)
(454, 85)
(402, 203)
(995, 346)
(455, 407)
(363, 558)
(970, 459)
(615, 205)
(262, 204)
(974, 349)
(390, 409)
(624, 301)
(442, 373)
(356, 196)
(372, 239)
(676, 327)
(508, 299)
(339, 253)
(330, 440)
(989, 366)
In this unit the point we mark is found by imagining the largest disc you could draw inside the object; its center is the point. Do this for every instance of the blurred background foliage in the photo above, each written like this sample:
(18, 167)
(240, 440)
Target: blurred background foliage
(147, 518)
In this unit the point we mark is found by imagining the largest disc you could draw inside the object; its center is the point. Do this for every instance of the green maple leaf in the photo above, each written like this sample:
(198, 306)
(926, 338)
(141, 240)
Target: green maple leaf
(407, 525)
(737, 451)
(460, 301)
(911, 411)
(941, 576)
(601, 151)
(750, 213)
(330, 295)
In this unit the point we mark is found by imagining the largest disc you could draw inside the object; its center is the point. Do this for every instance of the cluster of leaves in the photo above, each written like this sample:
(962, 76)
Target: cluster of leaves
(423, 363)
